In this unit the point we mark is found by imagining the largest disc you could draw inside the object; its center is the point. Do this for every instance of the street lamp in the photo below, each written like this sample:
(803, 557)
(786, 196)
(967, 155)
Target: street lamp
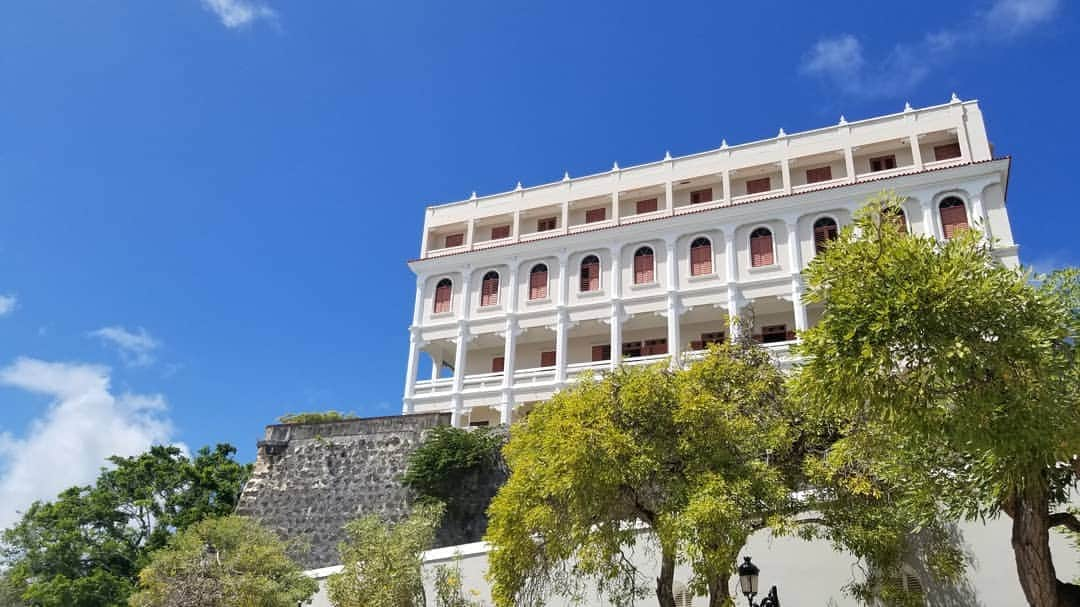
(748, 583)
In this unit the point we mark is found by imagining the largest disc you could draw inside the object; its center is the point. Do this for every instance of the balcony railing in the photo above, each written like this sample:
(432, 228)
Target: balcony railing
(544, 377)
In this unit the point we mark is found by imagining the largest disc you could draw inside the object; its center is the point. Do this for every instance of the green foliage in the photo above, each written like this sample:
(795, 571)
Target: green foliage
(85, 548)
(447, 456)
(448, 588)
(697, 459)
(382, 562)
(315, 417)
(223, 562)
(947, 381)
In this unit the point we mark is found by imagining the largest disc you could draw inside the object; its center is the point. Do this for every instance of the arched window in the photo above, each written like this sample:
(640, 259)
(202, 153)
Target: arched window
(643, 266)
(953, 216)
(761, 248)
(489, 289)
(538, 282)
(897, 217)
(443, 291)
(824, 231)
(590, 273)
(700, 257)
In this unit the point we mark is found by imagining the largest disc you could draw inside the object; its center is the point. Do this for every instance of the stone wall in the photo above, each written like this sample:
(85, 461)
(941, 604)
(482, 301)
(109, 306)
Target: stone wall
(311, 479)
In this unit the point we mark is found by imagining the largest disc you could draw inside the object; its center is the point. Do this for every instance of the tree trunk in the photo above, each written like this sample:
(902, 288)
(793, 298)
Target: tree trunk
(665, 592)
(1030, 512)
(718, 591)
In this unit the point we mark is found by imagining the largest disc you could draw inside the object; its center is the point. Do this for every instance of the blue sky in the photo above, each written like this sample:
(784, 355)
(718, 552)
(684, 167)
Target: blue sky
(206, 206)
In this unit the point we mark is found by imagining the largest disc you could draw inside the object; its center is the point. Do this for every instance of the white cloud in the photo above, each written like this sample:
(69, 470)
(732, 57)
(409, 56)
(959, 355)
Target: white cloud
(67, 445)
(136, 347)
(8, 303)
(240, 13)
(842, 62)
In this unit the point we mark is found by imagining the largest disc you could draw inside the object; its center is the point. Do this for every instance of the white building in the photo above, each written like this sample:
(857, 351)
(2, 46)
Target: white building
(519, 292)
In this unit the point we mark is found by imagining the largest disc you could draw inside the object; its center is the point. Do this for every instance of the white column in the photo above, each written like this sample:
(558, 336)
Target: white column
(669, 193)
(730, 262)
(615, 210)
(469, 234)
(785, 174)
(616, 307)
(460, 359)
(436, 366)
(733, 297)
(929, 219)
(414, 347)
(794, 248)
(509, 349)
(797, 303)
(978, 213)
(916, 152)
(726, 177)
(849, 163)
(674, 306)
(562, 319)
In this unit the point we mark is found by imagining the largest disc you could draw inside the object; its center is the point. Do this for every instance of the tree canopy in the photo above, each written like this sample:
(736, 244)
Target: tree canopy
(694, 460)
(382, 561)
(950, 381)
(85, 548)
(223, 562)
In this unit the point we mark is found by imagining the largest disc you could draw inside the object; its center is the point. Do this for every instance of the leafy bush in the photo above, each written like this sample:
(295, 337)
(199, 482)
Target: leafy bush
(315, 417)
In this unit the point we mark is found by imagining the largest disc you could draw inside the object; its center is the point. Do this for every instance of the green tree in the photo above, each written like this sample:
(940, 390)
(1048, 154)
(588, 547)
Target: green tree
(223, 562)
(85, 548)
(383, 561)
(951, 381)
(693, 460)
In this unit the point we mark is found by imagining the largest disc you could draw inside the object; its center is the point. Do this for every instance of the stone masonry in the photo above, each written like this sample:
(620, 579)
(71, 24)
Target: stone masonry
(311, 479)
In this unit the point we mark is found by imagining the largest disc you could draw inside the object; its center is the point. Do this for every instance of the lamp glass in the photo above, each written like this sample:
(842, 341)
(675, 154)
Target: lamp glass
(748, 577)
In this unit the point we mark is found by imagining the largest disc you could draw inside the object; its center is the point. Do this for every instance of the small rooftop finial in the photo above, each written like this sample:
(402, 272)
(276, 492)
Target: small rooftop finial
(842, 119)
(566, 176)
(954, 99)
(615, 167)
(907, 106)
(667, 154)
(723, 144)
(517, 188)
(473, 197)
(781, 133)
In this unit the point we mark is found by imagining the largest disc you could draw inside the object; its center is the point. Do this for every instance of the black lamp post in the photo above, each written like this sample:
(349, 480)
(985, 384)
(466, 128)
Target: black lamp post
(748, 583)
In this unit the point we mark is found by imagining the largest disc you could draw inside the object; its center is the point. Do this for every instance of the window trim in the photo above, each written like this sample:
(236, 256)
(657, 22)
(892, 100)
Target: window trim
(547, 282)
(964, 203)
(498, 287)
(599, 273)
(652, 263)
(435, 297)
(712, 256)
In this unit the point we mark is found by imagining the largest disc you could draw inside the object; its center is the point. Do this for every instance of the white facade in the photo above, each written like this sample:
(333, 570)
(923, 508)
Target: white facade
(544, 337)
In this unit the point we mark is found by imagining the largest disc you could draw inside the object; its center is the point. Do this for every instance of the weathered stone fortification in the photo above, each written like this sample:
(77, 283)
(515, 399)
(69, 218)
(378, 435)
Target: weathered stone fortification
(311, 479)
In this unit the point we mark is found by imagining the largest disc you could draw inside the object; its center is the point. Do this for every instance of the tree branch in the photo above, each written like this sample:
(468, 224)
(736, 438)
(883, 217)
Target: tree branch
(1065, 519)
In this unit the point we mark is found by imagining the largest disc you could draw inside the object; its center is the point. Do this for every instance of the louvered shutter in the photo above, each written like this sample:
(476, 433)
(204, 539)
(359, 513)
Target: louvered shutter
(594, 215)
(442, 298)
(646, 206)
(601, 352)
(945, 152)
(499, 232)
(822, 235)
(761, 251)
(538, 283)
(701, 260)
(643, 269)
(455, 240)
(590, 276)
(701, 196)
(757, 186)
(497, 364)
(547, 359)
(489, 291)
(818, 174)
(953, 219)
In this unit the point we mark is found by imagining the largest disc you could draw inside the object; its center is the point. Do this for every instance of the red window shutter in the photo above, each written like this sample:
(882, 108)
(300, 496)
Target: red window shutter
(945, 152)
(455, 240)
(822, 236)
(498, 232)
(489, 292)
(546, 224)
(632, 349)
(953, 219)
(601, 352)
(594, 215)
(497, 364)
(883, 163)
(700, 196)
(643, 269)
(818, 174)
(547, 359)
(761, 251)
(757, 186)
(701, 260)
(646, 206)
(442, 298)
(715, 337)
(774, 333)
(697, 345)
(654, 347)
(538, 283)
(590, 277)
